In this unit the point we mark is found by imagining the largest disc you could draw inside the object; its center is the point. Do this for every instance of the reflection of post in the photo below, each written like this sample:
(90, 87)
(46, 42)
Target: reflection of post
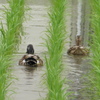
(79, 8)
(73, 21)
(80, 20)
(85, 22)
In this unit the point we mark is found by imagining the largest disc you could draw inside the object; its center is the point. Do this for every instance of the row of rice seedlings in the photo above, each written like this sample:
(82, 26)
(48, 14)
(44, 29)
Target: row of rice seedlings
(9, 38)
(95, 48)
(14, 19)
(55, 42)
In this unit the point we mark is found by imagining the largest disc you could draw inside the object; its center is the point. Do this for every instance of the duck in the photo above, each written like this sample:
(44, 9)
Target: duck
(30, 59)
(78, 49)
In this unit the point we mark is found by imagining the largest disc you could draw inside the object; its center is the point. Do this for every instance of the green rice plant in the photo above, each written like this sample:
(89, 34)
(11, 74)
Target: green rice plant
(9, 39)
(95, 48)
(55, 42)
(14, 18)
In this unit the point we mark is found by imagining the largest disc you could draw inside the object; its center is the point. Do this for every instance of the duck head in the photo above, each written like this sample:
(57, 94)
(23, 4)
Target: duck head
(30, 49)
(78, 40)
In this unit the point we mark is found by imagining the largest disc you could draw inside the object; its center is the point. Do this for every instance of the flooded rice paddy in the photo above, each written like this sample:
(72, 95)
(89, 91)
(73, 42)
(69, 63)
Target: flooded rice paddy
(29, 84)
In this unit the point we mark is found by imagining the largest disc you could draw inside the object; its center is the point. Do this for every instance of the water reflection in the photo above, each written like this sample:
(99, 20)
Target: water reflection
(80, 11)
(79, 66)
(30, 70)
(78, 59)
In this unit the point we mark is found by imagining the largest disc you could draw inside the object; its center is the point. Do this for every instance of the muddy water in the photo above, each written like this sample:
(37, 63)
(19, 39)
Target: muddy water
(29, 84)
(75, 72)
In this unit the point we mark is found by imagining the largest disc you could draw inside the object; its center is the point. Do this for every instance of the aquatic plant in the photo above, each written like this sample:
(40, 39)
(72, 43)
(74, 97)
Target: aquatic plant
(55, 42)
(9, 39)
(95, 48)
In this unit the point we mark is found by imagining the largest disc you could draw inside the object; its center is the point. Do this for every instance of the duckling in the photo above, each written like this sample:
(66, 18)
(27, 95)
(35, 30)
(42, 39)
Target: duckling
(30, 59)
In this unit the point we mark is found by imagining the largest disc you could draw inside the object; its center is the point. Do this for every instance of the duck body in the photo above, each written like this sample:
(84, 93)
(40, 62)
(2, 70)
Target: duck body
(78, 49)
(30, 59)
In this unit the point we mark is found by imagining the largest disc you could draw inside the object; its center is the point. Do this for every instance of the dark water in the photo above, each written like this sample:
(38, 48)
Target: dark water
(29, 84)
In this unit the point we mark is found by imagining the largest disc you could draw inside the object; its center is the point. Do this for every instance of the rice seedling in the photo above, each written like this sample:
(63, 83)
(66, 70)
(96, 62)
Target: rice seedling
(95, 48)
(14, 18)
(55, 42)
(9, 39)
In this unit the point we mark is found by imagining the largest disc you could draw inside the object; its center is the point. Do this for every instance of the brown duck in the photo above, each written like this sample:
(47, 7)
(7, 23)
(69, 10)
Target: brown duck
(78, 49)
(29, 59)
